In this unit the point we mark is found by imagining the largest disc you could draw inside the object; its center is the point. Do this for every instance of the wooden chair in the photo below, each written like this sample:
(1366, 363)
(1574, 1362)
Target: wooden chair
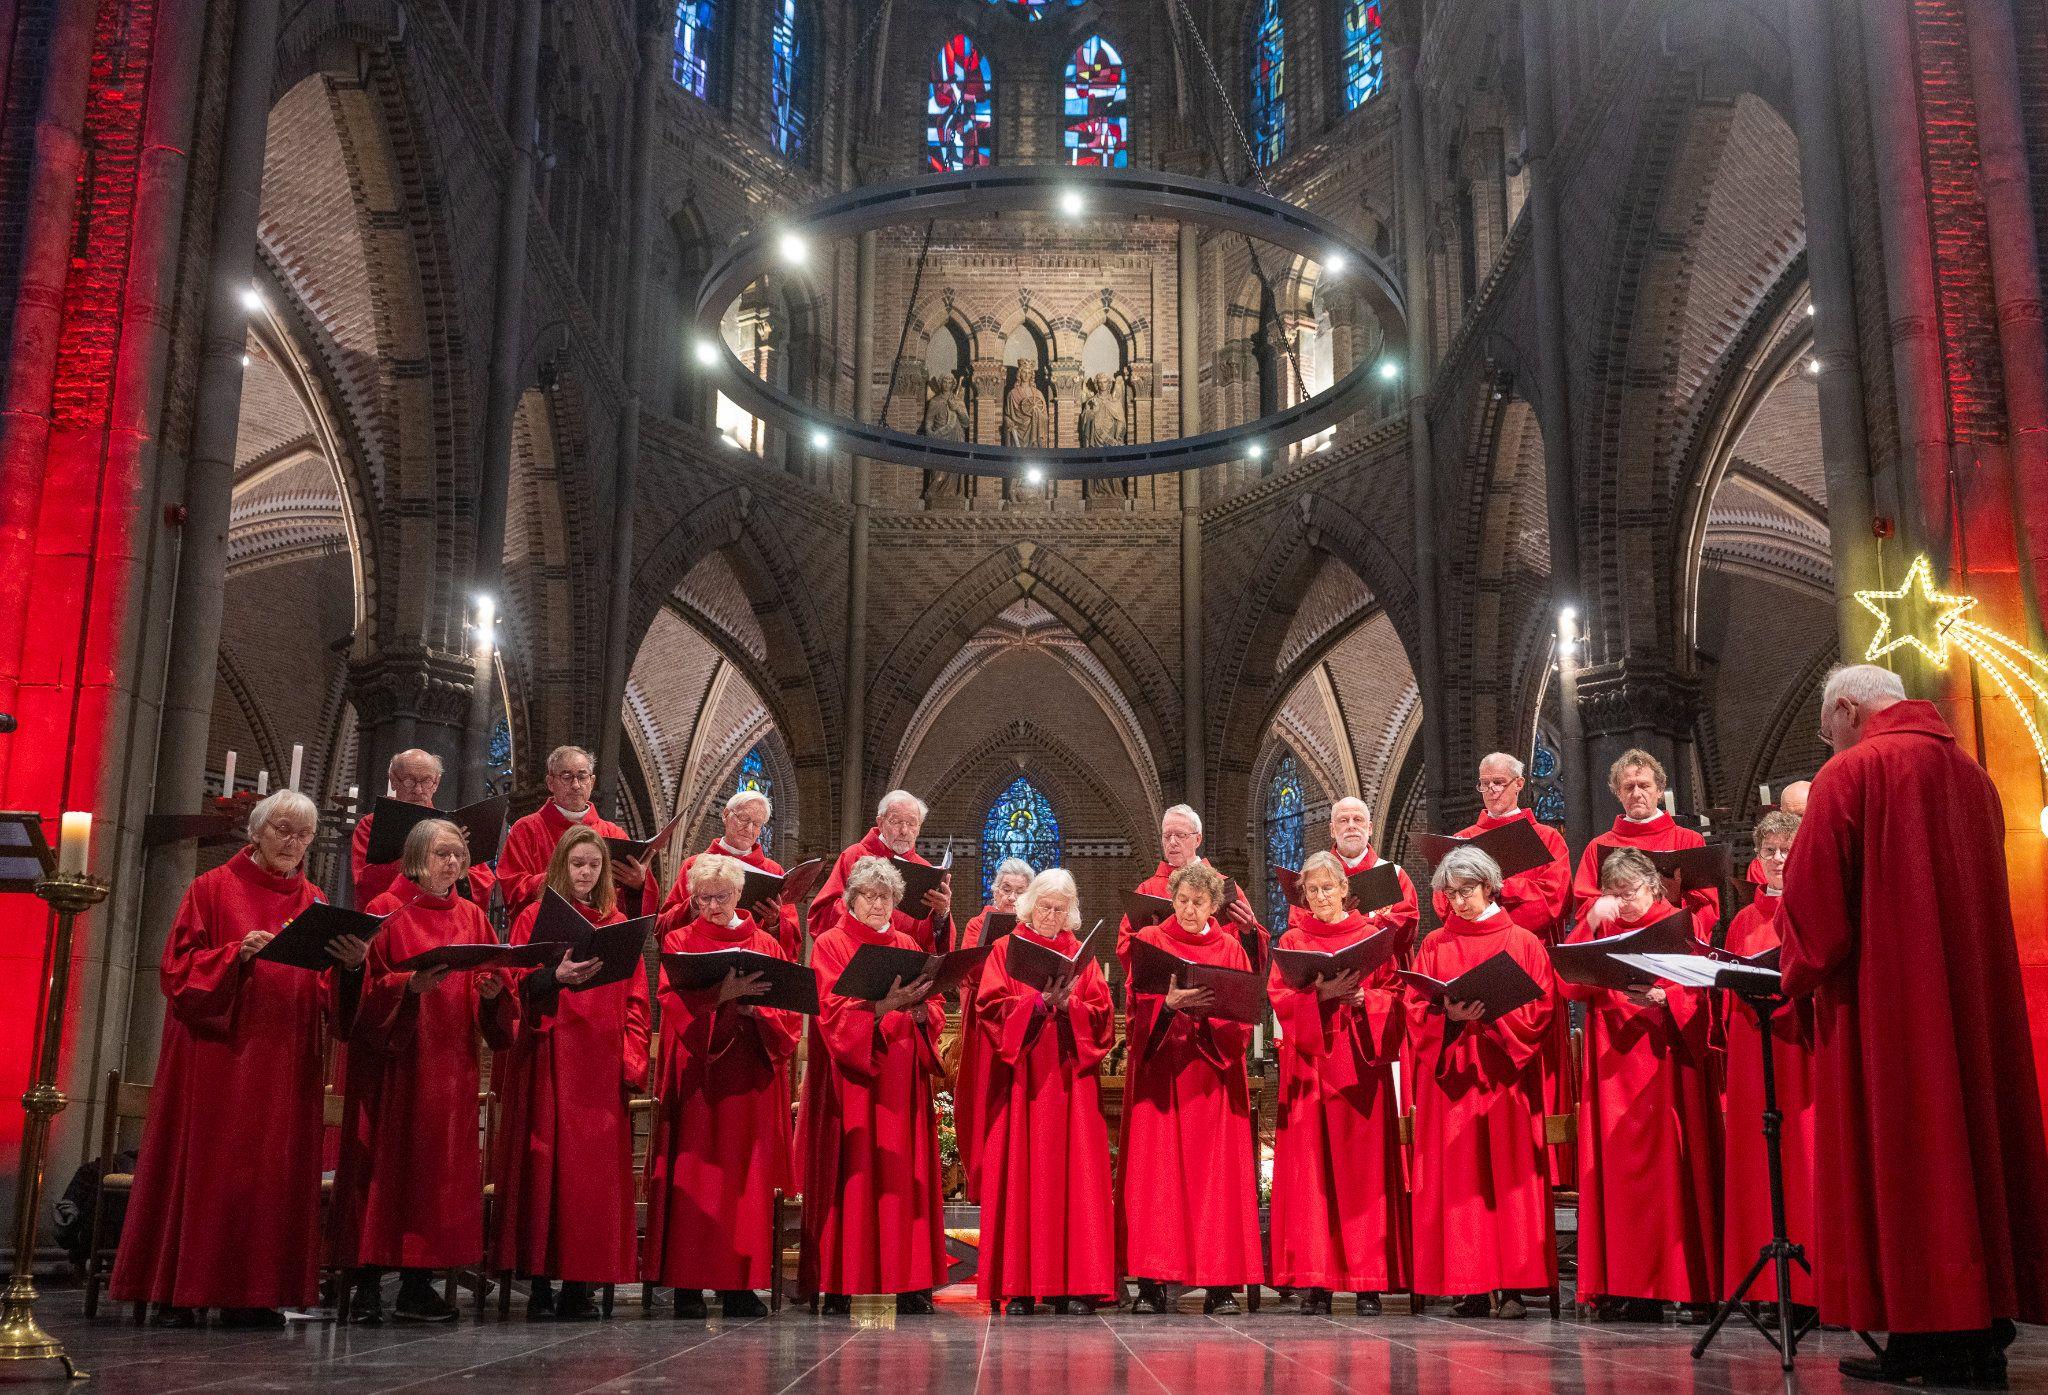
(785, 1236)
(640, 1113)
(125, 1103)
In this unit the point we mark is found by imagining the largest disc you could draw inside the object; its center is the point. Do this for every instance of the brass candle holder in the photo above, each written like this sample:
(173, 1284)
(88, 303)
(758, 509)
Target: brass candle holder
(21, 1336)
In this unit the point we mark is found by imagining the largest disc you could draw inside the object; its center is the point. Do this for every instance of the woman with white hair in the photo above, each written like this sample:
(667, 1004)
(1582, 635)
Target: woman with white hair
(745, 815)
(1340, 1207)
(1649, 1128)
(970, 1078)
(1045, 1197)
(226, 1207)
(873, 1222)
(1483, 1226)
(721, 1138)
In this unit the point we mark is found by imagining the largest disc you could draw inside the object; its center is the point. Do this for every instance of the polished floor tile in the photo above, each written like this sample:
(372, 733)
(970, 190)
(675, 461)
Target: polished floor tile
(961, 1349)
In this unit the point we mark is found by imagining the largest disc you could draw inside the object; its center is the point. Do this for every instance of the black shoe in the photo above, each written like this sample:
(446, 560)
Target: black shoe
(1221, 1302)
(540, 1301)
(1019, 1307)
(1697, 1314)
(836, 1305)
(1648, 1310)
(690, 1305)
(249, 1319)
(1366, 1305)
(175, 1319)
(1473, 1305)
(1315, 1302)
(577, 1304)
(741, 1303)
(916, 1304)
(1076, 1307)
(362, 1313)
(1151, 1297)
(1511, 1308)
(422, 1306)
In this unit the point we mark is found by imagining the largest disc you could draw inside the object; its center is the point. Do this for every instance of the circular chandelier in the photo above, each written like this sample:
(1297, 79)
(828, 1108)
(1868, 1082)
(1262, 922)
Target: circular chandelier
(1070, 193)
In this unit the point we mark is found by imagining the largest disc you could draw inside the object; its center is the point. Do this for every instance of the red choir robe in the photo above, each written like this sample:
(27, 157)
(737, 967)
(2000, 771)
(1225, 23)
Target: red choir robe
(1659, 834)
(828, 907)
(721, 1145)
(1340, 1200)
(873, 1220)
(564, 1164)
(530, 843)
(1404, 915)
(225, 1211)
(1045, 1219)
(1932, 1190)
(1539, 900)
(408, 1192)
(1746, 1197)
(1244, 922)
(676, 911)
(1649, 1142)
(1482, 1197)
(1188, 1191)
(970, 1079)
(372, 880)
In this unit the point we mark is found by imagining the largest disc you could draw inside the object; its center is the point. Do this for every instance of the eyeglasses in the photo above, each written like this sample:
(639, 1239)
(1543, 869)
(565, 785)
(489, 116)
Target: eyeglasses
(574, 777)
(1486, 786)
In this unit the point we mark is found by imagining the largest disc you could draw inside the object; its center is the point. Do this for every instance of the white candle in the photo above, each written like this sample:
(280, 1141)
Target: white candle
(1670, 803)
(352, 789)
(1259, 1041)
(262, 783)
(1763, 794)
(298, 765)
(74, 841)
(227, 775)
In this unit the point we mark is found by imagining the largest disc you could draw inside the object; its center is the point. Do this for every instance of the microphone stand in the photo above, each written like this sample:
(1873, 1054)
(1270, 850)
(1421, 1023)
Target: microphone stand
(1779, 1251)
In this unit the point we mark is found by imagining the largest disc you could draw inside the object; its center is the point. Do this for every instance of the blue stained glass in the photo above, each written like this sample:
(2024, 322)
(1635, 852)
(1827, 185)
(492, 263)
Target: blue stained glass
(789, 93)
(959, 128)
(1267, 70)
(1098, 128)
(1020, 823)
(1547, 798)
(1285, 832)
(1365, 61)
(696, 27)
(753, 775)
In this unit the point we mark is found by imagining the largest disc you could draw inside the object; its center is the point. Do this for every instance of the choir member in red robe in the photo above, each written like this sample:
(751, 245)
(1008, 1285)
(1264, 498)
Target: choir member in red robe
(1932, 1186)
(1483, 1223)
(530, 843)
(970, 1078)
(1188, 1196)
(1340, 1204)
(1746, 1196)
(1351, 843)
(408, 1194)
(873, 1222)
(1791, 800)
(415, 776)
(1180, 843)
(899, 818)
(1538, 900)
(1649, 1128)
(746, 813)
(1637, 779)
(225, 1211)
(564, 1164)
(1045, 1212)
(721, 1139)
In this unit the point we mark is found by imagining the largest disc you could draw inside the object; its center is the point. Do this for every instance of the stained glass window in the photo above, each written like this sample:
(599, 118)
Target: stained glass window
(1267, 107)
(1020, 823)
(1285, 829)
(1098, 127)
(696, 28)
(789, 77)
(1365, 63)
(1547, 785)
(753, 775)
(498, 757)
(1035, 10)
(959, 131)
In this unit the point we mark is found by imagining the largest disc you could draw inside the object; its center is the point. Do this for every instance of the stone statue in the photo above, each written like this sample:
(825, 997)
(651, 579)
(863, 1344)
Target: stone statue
(1102, 416)
(945, 418)
(1025, 416)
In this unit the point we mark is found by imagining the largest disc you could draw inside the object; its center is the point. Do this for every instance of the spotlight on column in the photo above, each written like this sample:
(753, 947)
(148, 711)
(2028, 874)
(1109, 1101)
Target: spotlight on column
(1334, 264)
(1255, 451)
(1813, 368)
(1071, 202)
(706, 352)
(1389, 370)
(251, 300)
(1034, 474)
(819, 438)
(486, 623)
(793, 248)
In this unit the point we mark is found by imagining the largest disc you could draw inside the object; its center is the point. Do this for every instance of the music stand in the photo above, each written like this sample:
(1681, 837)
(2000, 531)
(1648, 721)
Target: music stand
(25, 856)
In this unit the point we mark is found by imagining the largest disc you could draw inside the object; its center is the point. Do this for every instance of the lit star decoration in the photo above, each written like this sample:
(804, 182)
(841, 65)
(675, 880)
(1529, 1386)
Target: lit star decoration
(1931, 620)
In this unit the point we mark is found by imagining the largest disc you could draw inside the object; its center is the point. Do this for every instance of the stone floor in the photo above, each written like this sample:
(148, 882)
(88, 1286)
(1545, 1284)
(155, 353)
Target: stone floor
(961, 1349)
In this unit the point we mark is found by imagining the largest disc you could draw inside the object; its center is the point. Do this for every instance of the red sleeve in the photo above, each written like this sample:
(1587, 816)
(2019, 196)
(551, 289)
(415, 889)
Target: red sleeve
(387, 1014)
(202, 964)
(1537, 899)
(828, 905)
(523, 865)
(638, 1028)
(675, 909)
(1009, 1013)
(481, 880)
(1404, 915)
(1823, 884)
(1514, 1039)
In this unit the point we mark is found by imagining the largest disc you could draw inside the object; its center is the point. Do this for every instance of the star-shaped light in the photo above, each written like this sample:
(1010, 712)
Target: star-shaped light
(1914, 614)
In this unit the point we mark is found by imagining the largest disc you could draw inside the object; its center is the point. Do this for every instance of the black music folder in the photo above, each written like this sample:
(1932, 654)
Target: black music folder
(791, 987)
(483, 823)
(303, 943)
(1239, 995)
(1595, 963)
(1300, 968)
